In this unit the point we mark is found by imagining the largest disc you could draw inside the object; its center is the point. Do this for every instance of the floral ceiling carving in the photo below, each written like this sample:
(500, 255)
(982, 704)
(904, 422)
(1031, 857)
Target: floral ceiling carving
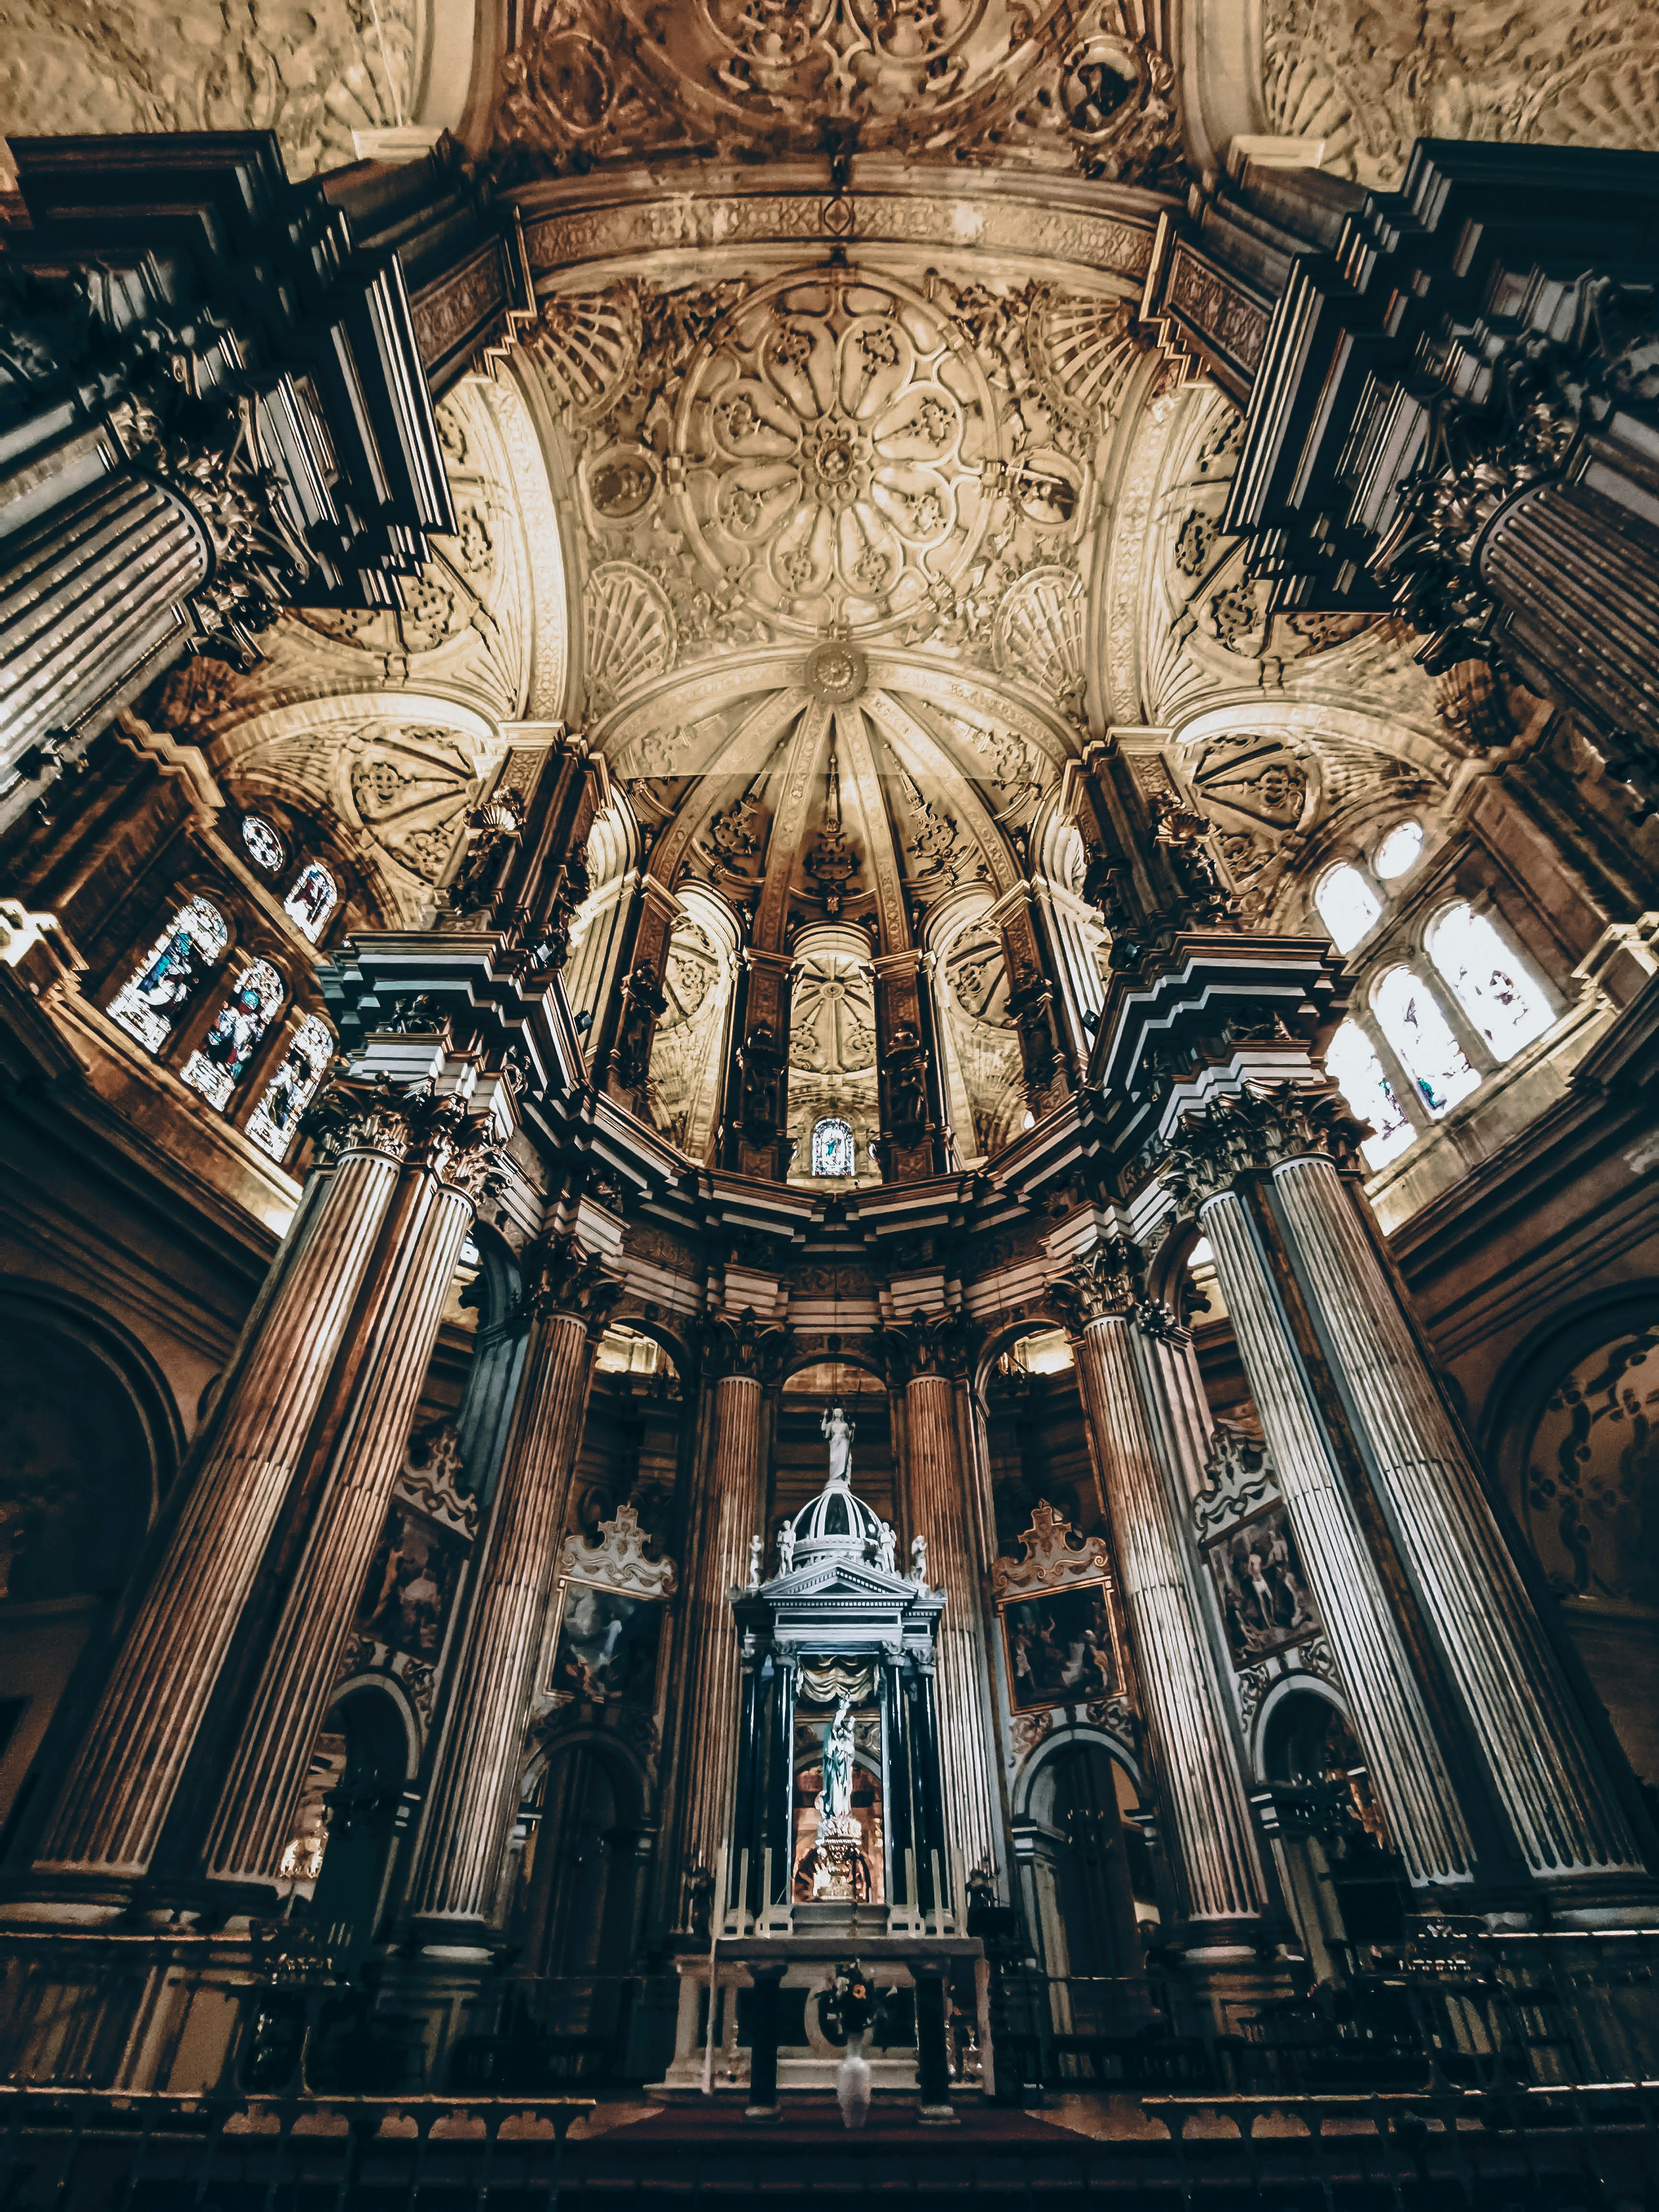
(1048, 83)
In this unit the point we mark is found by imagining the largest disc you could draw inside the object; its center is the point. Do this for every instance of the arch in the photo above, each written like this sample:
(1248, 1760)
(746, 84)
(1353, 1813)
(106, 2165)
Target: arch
(1493, 981)
(599, 926)
(1030, 1774)
(356, 1786)
(1264, 1729)
(497, 1367)
(1057, 843)
(684, 1088)
(867, 1362)
(193, 942)
(1036, 1321)
(1412, 1020)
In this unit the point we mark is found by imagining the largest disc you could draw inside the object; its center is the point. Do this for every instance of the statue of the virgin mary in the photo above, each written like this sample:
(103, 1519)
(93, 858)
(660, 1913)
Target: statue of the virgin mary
(839, 1429)
(838, 1762)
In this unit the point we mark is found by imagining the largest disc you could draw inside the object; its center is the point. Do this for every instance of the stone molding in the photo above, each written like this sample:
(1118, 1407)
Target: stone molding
(1257, 1127)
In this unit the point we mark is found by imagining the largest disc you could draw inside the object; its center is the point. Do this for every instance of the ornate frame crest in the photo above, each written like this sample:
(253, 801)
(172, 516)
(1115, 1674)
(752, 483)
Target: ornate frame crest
(1059, 1591)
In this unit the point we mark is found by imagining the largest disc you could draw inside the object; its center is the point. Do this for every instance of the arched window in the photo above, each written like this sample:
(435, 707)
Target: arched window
(832, 1148)
(263, 844)
(221, 1060)
(1492, 987)
(275, 1120)
(167, 978)
(314, 896)
(1354, 1066)
(1414, 1025)
(1347, 905)
(1399, 851)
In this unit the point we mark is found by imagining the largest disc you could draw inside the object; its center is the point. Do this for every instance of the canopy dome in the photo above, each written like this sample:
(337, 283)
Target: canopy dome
(835, 1525)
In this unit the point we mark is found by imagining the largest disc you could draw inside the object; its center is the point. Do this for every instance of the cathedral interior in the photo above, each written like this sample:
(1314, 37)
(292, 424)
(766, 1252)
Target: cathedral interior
(828, 911)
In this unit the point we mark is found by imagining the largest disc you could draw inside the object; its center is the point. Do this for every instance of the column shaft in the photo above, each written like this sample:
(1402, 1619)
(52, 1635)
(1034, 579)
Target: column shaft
(475, 1786)
(938, 1511)
(122, 1785)
(90, 593)
(708, 1747)
(1560, 1803)
(1217, 1863)
(1403, 1755)
(354, 1453)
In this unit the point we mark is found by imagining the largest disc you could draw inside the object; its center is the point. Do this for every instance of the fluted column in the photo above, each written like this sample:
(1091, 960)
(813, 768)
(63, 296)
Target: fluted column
(474, 1794)
(353, 1457)
(1404, 1758)
(937, 1507)
(1559, 1800)
(738, 1352)
(121, 1784)
(87, 595)
(1216, 1860)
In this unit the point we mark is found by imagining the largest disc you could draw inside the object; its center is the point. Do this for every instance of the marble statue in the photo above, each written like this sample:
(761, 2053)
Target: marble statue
(838, 1763)
(918, 1561)
(887, 1549)
(839, 1429)
(785, 1546)
(756, 1559)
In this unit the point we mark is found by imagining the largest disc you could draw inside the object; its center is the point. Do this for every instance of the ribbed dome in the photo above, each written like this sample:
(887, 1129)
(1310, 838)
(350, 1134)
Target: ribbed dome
(836, 1524)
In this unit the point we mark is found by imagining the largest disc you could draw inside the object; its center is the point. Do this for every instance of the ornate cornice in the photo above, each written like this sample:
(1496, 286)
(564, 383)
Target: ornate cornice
(939, 1344)
(1052, 1559)
(1260, 1126)
(561, 1278)
(618, 1559)
(743, 1346)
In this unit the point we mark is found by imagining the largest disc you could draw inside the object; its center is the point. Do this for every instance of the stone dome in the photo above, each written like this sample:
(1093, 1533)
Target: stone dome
(835, 1525)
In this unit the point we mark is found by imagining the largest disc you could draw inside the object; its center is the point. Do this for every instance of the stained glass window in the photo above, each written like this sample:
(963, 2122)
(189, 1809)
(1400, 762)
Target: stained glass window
(166, 979)
(264, 847)
(221, 1060)
(274, 1120)
(1347, 905)
(1353, 1064)
(1398, 850)
(1492, 987)
(1418, 1031)
(312, 899)
(832, 1148)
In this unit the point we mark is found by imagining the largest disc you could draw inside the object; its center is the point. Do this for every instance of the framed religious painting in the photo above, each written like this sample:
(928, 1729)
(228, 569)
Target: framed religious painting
(1059, 1646)
(1263, 1591)
(608, 1642)
(411, 1583)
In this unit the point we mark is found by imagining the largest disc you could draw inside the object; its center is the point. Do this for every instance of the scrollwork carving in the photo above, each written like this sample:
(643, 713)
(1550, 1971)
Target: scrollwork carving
(1260, 1126)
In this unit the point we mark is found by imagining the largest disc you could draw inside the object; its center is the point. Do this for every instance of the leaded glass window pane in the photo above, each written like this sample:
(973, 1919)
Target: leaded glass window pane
(150, 1002)
(832, 1148)
(263, 846)
(1492, 988)
(1398, 850)
(1347, 905)
(1354, 1066)
(312, 899)
(274, 1120)
(1418, 1031)
(222, 1059)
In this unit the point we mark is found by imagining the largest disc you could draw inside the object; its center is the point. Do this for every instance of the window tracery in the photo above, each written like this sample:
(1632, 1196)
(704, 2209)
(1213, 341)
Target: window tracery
(263, 844)
(222, 1059)
(1400, 851)
(1492, 987)
(149, 1001)
(1413, 1023)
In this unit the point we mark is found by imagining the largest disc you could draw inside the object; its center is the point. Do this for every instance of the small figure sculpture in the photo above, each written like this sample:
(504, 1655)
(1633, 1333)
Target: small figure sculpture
(785, 1546)
(839, 1429)
(918, 1561)
(757, 1556)
(838, 1762)
(887, 1549)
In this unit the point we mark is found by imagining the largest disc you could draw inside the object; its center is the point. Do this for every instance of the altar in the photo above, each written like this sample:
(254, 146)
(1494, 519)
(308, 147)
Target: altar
(839, 1851)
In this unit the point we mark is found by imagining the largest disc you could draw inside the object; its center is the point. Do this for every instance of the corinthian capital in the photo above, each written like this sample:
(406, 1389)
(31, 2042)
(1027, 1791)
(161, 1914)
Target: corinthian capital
(1261, 1126)
(358, 1114)
(926, 1345)
(741, 1345)
(1109, 1282)
(561, 1278)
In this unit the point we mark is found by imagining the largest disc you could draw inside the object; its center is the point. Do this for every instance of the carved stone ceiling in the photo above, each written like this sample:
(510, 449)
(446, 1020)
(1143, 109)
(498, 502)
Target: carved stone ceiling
(1047, 83)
